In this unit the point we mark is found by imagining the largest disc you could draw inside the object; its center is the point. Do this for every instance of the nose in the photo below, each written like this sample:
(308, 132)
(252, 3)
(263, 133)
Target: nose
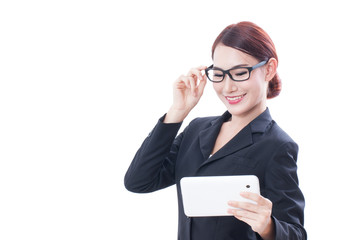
(229, 84)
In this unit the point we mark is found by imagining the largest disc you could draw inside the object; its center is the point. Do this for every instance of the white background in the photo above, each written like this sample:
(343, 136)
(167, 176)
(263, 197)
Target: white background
(84, 82)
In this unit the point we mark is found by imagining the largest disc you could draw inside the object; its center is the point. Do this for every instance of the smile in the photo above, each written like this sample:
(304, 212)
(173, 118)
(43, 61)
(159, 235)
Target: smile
(235, 99)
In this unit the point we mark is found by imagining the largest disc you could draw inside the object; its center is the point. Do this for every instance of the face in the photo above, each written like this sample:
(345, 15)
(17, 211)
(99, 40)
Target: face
(242, 99)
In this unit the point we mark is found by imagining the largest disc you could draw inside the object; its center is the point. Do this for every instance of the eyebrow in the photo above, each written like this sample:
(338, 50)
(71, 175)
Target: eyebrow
(236, 66)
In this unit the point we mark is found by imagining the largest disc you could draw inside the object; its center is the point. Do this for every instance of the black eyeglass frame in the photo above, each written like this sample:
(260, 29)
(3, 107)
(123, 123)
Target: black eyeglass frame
(250, 69)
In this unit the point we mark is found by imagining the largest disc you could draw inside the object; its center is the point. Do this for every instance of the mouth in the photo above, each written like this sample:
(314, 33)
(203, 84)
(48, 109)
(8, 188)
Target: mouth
(235, 99)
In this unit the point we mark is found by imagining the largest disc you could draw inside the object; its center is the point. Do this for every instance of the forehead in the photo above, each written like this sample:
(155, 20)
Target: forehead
(226, 57)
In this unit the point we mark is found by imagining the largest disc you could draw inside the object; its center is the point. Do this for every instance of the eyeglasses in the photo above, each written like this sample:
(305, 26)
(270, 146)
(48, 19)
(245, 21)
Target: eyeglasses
(237, 73)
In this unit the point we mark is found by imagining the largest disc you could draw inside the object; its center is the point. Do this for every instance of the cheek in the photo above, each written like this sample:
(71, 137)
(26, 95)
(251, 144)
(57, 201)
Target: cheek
(217, 87)
(257, 84)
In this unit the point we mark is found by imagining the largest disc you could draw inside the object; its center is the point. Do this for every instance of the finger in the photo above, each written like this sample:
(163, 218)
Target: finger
(245, 206)
(188, 81)
(250, 222)
(257, 222)
(196, 72)
(182, 82)
(202, 85)
(203, 75)
(249, 218)
(245, 214)
(192, 85)
(260, 200)
(252, 196)
(202, 67)
(232, 211)
(197, 69)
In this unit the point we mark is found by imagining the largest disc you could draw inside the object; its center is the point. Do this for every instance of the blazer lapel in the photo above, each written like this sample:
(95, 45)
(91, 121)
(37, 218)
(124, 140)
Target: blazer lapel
(207, 137)
(241, 140)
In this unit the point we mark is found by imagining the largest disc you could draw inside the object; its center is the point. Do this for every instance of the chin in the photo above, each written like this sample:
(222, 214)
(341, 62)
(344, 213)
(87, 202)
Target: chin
(237, 112)
(245, 109)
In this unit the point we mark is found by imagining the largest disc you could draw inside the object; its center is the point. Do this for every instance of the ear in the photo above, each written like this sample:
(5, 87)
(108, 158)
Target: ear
(271, 68)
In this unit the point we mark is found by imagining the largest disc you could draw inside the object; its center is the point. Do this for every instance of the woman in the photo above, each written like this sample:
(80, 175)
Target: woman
(243, 141)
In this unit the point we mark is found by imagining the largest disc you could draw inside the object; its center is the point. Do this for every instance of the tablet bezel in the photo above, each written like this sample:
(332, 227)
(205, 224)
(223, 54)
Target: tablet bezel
(207, 196)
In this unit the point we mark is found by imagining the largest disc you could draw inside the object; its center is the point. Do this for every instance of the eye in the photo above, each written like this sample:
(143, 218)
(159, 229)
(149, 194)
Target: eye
(217, 75)
(240, 73)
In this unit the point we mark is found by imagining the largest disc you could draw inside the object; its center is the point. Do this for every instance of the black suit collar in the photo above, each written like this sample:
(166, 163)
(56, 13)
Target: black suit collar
(261, 122)
(243, 139)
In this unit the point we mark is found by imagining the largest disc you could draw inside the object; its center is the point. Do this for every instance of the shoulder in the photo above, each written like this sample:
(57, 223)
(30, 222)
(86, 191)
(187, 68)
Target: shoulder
(284, 147)
(279, 134)
(276, 140)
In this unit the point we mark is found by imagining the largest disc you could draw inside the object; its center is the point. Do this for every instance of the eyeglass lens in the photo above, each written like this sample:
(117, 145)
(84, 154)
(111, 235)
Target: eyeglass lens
(238, 74)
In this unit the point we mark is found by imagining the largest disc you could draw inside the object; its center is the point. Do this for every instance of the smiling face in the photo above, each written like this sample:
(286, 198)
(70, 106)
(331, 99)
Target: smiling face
(242, 99)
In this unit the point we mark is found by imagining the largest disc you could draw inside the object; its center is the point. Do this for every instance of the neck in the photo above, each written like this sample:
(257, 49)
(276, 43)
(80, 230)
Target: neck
(244, 119)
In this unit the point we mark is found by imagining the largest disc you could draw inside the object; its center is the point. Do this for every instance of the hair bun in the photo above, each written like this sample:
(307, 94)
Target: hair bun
(274, 87)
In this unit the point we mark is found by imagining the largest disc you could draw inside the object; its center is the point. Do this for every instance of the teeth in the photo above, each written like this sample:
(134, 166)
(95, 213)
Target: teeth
(235, 98)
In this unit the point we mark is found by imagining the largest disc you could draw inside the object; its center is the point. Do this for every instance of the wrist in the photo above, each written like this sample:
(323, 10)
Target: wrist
(269, 231)
(175, 116)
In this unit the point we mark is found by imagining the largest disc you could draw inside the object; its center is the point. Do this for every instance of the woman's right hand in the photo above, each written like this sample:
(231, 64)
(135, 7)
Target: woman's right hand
(187, 93)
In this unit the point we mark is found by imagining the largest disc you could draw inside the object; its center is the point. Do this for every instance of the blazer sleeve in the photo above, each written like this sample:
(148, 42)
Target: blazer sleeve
(282, 188)
(153, 166)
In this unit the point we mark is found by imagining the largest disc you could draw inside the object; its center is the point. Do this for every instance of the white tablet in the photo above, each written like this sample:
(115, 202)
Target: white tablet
(209, 196)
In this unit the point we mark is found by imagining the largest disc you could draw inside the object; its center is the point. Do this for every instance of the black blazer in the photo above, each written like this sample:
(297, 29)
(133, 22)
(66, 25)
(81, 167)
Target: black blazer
(261, 149)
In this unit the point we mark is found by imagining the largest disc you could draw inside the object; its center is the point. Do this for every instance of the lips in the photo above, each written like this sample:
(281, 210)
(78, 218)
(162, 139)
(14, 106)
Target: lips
(235, 99)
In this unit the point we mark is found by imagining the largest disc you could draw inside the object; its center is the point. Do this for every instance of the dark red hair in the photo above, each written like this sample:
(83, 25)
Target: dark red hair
(253, 40)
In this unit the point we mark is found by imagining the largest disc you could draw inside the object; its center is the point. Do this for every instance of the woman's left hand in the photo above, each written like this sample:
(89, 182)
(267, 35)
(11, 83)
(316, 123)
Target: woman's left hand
(258, 216)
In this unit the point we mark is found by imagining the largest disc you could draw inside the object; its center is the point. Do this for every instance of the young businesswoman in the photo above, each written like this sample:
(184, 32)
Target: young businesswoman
(244, 140)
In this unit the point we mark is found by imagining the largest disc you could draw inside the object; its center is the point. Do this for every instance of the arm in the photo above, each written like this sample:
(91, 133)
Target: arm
(282, 188)
(153, 165)
(279, 213)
